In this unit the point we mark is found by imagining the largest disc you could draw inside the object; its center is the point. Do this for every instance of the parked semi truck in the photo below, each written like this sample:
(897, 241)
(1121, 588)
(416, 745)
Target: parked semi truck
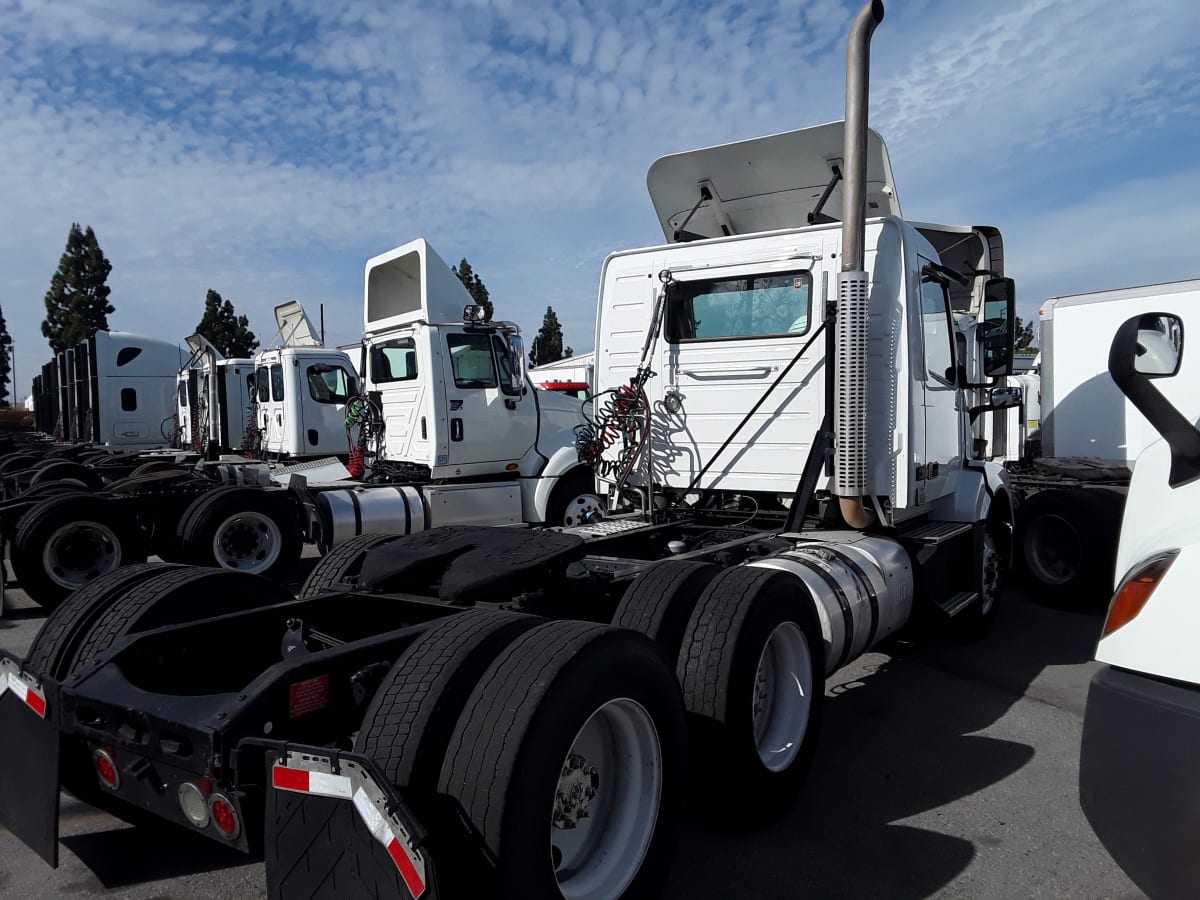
(1074, 475)
(447, 431)
(784, 446)
(114, 390)
(1141, 728)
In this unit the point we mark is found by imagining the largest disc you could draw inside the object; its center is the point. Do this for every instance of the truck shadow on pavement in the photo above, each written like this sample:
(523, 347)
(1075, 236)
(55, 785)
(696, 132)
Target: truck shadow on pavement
(899, 741)
(122, 857)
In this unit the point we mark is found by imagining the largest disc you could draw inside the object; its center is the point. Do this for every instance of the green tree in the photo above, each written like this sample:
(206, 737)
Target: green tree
(548, 343)
(77, 303)
(224, 329)
(5, 362)
(1024, 339)
(475, 287)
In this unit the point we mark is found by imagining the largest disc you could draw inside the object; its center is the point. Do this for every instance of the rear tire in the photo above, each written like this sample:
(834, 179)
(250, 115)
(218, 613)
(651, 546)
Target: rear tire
(61, 468)
(53, 649)
(341, 564)
(65, 542)
(412, 716)
(660, 601)
(752, 668)
(568, 762)
(1067, 541)
(181, 594)
(243, 529)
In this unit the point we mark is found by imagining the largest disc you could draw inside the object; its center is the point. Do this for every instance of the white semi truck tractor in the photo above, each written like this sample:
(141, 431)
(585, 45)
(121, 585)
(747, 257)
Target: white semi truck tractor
(784, 450)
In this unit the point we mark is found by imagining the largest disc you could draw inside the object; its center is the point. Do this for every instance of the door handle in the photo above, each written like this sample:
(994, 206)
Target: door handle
(750, 372)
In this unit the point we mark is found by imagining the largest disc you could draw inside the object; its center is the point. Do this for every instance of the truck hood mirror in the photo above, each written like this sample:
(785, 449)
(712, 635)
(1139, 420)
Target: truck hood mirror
(1146, 347)
(1159, 347)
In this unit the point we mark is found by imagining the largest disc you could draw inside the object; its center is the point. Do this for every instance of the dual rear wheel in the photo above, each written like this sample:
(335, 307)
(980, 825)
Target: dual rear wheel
(562, 744)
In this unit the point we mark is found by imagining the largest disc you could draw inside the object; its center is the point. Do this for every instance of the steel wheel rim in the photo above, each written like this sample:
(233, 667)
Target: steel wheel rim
(247, 542)
(990, 576)
(582, 509)
(1053, 550)
(782, 699)
(66, 560)
(606, 802)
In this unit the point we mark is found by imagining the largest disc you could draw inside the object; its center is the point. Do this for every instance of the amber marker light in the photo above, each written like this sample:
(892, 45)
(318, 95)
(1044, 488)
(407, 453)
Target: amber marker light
(1136, 589)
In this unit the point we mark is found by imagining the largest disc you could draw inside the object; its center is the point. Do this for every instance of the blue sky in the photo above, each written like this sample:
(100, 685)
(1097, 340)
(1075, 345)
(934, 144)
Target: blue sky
(267, 149)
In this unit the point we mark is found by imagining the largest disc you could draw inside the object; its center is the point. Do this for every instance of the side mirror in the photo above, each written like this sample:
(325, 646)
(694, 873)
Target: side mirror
(516, 357)
(1159, 345)
(1147, 347)
(1002, 397)
(999, 326)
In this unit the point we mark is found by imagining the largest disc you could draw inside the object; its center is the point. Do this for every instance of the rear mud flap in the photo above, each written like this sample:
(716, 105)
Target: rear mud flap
(335, 830)
(29, 751)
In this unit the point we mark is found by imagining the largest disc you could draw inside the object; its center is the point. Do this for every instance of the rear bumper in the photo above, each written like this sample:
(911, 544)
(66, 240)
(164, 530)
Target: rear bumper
(1139, 782)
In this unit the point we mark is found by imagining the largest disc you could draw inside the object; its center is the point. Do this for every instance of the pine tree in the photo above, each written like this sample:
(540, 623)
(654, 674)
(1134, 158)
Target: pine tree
(77, 303)
(475, 287)
(1025, 340)
(548, 344)
(5, 362)
(228, 332)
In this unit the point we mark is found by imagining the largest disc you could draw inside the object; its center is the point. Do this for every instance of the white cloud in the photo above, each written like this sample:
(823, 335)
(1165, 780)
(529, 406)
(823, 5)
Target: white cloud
(267, 149)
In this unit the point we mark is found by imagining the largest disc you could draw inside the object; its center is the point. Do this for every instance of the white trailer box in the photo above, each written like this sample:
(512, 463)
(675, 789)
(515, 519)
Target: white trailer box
(1085, 416)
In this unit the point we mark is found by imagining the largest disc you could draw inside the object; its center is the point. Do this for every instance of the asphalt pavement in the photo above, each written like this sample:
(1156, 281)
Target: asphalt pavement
(942, 771)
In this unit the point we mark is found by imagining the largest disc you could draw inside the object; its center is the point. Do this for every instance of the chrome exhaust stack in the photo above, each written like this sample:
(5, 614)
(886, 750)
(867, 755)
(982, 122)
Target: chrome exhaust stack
(850, 376)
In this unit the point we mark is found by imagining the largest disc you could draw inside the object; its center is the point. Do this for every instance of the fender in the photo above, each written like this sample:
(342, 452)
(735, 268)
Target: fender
(977, 486)
(538, 487)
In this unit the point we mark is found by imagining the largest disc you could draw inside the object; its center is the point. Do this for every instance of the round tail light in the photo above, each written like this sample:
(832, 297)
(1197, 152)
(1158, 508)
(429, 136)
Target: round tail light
(106, 769)
(224, 816)
(193, 804)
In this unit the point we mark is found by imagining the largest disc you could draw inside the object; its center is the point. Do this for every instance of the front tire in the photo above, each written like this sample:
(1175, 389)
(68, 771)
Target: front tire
(574, 501)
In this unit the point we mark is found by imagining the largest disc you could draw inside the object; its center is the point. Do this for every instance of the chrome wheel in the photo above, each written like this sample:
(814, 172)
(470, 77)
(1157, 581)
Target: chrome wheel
(80, 552)
(248, 542)
(606, 803)
(582, 509)
(783, 687)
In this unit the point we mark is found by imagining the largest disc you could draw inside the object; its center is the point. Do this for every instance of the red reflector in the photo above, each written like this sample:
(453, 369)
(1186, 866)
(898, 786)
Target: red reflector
(225, 817)
(412, 878)
(308, 696)
(36, 703)
(290, 779)
(106, 769)
(204, 784)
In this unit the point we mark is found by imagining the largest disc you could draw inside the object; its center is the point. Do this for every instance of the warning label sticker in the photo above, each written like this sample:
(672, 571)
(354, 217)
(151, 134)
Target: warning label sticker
(309, 695)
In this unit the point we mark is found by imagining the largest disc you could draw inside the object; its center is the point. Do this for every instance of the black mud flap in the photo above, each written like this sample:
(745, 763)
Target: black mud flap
(29, 745)
(334, 828)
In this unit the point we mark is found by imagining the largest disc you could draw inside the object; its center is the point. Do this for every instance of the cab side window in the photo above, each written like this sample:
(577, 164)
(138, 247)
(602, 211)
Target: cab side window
(938, 334)
(471, 360)
(328, 383)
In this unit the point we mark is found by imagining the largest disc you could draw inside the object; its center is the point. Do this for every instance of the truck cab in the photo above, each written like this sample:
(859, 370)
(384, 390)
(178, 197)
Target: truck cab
(1138, 782)
(301, 390)
(452, 389)
(741, 290)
